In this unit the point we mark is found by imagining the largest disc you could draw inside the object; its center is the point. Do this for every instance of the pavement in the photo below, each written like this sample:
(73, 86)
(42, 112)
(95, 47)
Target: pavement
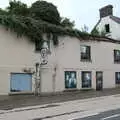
(17, 101)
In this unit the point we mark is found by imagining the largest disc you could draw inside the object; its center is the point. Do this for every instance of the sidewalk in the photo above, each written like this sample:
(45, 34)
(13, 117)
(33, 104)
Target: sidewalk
(10, 102)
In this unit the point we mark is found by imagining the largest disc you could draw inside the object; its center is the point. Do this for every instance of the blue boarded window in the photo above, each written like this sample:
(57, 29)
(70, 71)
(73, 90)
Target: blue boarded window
(20, 82)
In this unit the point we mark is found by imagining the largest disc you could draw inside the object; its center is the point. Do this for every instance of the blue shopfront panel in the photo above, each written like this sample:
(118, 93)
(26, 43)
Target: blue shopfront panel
(21, 82)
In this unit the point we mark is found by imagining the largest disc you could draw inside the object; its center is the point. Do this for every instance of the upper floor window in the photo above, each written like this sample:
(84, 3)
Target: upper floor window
(37, 45)
(85, 53)
(107, 28)
(117, 77)
(116, 55)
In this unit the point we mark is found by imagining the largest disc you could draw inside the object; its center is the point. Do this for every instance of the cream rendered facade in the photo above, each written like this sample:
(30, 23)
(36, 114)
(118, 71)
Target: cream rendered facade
(114, 27)
(67, 58)
(16, 54)
(19, 53)
(108, 23)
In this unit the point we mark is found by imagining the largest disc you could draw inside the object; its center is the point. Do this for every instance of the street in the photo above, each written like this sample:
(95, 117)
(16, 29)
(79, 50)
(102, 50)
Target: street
(99, 108)
(109, 115)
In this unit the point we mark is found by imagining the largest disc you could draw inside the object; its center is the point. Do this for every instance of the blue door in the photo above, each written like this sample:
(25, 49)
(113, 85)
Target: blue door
(21, 82)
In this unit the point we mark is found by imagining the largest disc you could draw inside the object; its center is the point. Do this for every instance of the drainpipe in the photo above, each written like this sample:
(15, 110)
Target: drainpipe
(40, 84)
(37, 79)
(54, 78)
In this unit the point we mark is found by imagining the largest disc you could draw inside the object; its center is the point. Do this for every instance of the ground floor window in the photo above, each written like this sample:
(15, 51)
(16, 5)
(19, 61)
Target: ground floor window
(117, 77)
(86, 79)
(21, 82)
(70, 79)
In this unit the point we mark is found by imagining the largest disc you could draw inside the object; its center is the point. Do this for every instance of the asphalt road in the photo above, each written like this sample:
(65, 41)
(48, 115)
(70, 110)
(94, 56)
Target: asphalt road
(109, 115)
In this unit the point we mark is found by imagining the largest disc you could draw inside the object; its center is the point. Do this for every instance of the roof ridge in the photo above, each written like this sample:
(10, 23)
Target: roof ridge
(115, 18)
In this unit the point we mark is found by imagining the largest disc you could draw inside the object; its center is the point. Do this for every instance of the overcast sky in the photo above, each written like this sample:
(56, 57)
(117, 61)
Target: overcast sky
(81, 11)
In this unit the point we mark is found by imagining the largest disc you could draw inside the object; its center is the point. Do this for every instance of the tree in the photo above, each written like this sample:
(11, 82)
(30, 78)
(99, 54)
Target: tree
(17, 8)
(33, 22)
(66, 23)
(45, 11)
(2, 12)
(103, 33)
(96, 32)
(85, 29)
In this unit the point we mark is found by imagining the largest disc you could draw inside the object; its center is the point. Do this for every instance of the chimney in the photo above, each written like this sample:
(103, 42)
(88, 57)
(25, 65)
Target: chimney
(106, 11)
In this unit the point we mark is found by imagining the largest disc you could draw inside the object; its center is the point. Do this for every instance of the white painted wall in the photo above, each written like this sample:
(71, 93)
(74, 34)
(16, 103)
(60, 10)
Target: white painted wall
(114, 27)
(15, 55)
(18, 53)
(68, 59)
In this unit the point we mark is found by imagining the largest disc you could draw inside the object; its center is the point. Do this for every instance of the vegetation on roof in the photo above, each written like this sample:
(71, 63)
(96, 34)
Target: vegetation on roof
(97, 32)
(42, 17)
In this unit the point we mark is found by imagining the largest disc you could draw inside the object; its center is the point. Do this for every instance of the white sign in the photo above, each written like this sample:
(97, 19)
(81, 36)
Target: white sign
(44, 58)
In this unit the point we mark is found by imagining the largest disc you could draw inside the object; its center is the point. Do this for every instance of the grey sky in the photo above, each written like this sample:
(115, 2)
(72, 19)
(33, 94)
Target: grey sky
(81, 11)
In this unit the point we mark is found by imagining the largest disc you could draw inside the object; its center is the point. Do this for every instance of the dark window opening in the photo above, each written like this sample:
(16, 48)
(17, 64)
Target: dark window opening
(37, 45)
(117, 77)
(117, 56)
(85, 53)
(70, 79)
(99, 80)
(86, 79)
(107, 28)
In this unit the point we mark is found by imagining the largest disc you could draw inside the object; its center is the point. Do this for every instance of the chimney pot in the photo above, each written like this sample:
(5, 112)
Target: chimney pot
(106, 11)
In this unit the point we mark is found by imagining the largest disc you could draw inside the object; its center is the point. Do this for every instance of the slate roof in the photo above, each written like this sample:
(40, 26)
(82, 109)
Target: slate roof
(116, 19)
(99, 38)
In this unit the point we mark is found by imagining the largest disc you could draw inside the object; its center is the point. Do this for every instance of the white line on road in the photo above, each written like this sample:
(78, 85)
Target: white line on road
(84, 115)
(113, 116)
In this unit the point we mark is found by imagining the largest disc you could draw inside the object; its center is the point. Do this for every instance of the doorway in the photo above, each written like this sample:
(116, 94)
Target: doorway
(99, 80)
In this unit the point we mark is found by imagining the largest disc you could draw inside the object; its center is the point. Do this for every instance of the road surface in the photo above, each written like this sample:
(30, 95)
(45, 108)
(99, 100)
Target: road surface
(99, 108)
(109, 115)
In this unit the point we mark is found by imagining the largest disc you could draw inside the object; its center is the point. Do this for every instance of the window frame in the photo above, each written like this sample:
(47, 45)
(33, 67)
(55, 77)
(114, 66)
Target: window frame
(82, 79)
(117, 81)
(107, 28)
(37, 46)
(69, 72)
(87, 54)
(116, 60)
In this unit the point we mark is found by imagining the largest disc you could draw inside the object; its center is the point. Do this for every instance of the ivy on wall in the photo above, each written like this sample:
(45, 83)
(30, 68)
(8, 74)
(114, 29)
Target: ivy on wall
(34, 29)
(35, 21)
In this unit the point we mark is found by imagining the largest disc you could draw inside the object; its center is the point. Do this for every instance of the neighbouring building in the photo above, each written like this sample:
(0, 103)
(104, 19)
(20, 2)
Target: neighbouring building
(108, 23)
(75, 64)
